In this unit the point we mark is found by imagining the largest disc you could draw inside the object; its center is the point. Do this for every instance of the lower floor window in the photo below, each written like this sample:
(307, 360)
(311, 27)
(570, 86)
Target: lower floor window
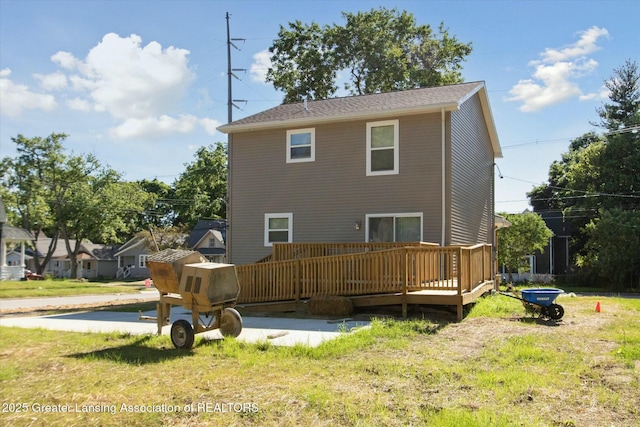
(142, 261)
(278, 228)
(394, 227)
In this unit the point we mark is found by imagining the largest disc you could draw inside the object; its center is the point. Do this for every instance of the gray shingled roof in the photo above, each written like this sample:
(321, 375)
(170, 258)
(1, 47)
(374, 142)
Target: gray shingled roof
(15, 234)
(379, 105)
(423, 99)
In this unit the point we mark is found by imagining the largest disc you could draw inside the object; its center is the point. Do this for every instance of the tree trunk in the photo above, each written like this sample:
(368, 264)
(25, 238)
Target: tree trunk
(40, 266)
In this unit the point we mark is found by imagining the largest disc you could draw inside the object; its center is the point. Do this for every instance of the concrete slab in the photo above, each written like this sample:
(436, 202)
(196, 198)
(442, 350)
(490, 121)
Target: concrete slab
(277, 331)
(40, 302)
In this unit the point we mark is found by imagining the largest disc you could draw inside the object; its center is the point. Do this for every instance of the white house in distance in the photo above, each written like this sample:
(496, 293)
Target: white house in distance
(12, 267)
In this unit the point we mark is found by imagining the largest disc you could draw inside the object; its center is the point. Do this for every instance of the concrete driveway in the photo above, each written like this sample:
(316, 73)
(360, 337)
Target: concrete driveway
(278, 331)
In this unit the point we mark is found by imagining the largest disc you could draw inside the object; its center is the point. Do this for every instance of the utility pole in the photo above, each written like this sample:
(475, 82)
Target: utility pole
(230, 100)
(230, 105)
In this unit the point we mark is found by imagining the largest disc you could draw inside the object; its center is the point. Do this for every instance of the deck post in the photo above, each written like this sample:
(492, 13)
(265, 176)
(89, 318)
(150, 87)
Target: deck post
(460, 267)
(405, 279)
(298, 286)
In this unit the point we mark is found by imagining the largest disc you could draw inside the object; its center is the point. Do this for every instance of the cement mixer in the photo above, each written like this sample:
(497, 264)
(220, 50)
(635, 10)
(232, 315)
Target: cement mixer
(208, 289)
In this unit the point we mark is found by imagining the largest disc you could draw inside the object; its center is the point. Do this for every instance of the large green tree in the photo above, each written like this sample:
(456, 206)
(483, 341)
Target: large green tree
(25, 191)
(98, 206)
(527, 234)
(613, 248)
(624, 92)
(68, 196)
(597, 182)
(162, 215)
(377, 51)
(201, 190)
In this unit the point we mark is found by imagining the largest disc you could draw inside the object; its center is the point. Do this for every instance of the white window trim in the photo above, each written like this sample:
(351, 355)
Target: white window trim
(312, 157)
(394, 216)
(396, 147)
(142, 261)
(267, 217)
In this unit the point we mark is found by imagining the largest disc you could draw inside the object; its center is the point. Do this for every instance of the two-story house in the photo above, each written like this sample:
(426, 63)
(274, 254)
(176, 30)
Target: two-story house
(413, 165)
(208, 237)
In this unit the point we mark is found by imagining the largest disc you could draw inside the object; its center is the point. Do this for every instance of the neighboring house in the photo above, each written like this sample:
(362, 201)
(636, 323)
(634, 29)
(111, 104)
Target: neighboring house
(12, 262)
(132, 258)
(208, 238)
(555, 259)
(94, 260)
(414, 165)
(97, 261)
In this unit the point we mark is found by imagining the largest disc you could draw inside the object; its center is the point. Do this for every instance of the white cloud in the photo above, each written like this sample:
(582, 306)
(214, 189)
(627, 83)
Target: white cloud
(129, 80)
(154, 126)
(14, 98)
(65, 60)
(54, 81)
(555, 74)
(80, 84)
(585, 46)
(79, 104)
(139, 86)
(209, 125)
(260, 66)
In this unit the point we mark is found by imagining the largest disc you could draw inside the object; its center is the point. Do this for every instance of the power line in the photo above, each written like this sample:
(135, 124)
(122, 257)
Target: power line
(585, 193)
(536, 142)
(631, 129)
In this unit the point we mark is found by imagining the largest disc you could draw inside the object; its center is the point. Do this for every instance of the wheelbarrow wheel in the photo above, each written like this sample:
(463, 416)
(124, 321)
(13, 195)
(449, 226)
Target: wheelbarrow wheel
(182, 335)
(555, 311)
(230, 323)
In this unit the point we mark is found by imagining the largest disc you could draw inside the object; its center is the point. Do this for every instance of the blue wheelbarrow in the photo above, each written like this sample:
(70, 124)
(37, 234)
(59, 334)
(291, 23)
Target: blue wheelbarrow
(540, 302)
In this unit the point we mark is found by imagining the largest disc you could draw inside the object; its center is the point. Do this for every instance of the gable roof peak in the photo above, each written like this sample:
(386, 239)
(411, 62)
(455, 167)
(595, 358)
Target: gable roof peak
(383, 104)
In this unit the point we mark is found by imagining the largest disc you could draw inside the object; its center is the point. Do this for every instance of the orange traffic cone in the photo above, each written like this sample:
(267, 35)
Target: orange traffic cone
(598, 307)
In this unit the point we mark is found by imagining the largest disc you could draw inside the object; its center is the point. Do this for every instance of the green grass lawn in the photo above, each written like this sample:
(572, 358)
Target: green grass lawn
(495, 368)
(58, 287)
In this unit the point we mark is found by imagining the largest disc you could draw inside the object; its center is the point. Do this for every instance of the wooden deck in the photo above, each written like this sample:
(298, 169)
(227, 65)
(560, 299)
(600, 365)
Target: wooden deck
(369, 274)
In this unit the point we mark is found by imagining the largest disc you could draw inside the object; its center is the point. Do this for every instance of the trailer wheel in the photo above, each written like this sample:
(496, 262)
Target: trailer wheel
(555, 311)
(182, 335)
(230, 323)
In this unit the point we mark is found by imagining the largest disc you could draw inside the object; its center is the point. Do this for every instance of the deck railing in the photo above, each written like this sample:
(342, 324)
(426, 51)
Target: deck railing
(287, 251)
(376, 271)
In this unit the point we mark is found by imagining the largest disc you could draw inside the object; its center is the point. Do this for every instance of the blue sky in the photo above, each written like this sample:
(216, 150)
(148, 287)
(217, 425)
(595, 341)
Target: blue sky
(142, 84)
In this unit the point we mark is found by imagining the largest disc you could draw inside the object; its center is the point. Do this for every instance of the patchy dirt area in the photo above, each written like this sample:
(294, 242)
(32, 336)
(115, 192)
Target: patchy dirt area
(584, 334)
(578, 380)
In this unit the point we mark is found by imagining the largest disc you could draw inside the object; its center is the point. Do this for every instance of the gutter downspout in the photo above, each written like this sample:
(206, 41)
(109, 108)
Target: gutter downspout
(443, 178)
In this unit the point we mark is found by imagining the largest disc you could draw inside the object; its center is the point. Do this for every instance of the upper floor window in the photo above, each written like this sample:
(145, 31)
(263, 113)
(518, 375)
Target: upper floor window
(301, 145)
(382, 148)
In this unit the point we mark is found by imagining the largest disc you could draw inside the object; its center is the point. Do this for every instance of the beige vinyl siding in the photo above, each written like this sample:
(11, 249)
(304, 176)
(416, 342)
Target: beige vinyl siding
(328, 196)
(471, 177)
